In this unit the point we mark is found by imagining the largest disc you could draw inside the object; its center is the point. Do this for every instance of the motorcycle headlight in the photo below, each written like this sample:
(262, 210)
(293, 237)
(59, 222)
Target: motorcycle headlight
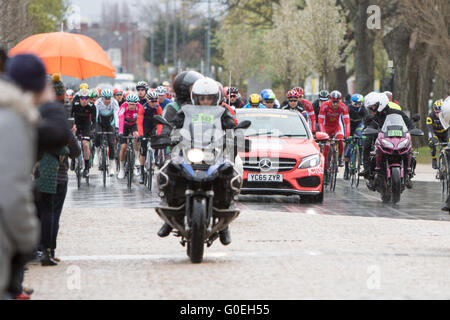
(195, 155)
(403, 144)
(388, 144)
(310, 161)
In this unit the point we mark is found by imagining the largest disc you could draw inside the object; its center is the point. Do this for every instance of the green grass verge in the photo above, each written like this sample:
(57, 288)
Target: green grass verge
(424, 156)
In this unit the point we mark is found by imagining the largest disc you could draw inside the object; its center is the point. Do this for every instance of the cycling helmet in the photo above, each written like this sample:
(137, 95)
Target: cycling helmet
(93, 94)
(118, 91)
(324, 95)
(142, 84)
(437, 105)
(299, 91)
(335, 95)
(357, 98)
(205, 87)
(161, 91)
(84, 93)
(254, 99)
(69, 93)
(84, 86)
(292, 94)
(107, 94)
(233, 91)
(267, 94)
(132, 97)
(182, 84)
(152, 96)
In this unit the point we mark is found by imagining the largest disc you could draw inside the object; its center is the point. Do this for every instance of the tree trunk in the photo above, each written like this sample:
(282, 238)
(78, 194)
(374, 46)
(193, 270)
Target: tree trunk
(414, 71)
(337, 80)
(364, 56)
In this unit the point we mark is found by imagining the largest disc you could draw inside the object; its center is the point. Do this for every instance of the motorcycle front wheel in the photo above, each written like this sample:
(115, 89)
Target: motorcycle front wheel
(396, 182)
(196, 243)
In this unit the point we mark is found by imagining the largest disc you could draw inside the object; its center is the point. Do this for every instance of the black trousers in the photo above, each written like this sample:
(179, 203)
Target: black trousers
(58, 203)
(44, 206)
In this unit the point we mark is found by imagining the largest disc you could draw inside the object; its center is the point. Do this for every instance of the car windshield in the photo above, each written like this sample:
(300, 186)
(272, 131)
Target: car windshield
(394, 126)
(282, 125)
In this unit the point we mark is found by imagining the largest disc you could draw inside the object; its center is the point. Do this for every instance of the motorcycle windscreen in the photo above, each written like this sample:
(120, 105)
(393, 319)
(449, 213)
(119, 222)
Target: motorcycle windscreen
(394, 126)
(202, 125)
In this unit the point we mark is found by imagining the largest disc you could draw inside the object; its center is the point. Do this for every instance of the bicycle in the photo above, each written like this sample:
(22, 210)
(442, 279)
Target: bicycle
(104, 159)
(79, 162)
(354, 165)
(130, 158)
(149, 165)
(332, 164)
(443, 172)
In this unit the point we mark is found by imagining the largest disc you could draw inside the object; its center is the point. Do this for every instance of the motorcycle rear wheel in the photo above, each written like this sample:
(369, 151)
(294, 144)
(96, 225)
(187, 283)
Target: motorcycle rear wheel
(196, 243)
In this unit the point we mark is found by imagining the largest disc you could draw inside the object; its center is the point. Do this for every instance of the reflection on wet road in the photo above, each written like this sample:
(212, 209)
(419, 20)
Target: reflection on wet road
(421, 202)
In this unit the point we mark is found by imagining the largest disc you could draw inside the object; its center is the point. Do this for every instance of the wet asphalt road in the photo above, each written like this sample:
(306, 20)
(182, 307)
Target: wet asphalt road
(422, 202)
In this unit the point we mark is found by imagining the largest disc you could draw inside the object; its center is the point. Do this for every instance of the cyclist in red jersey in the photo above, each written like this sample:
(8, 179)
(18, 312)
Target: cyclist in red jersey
(335, 121)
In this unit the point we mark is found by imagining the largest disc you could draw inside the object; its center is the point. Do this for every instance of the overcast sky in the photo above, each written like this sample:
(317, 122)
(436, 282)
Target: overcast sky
(91, 10)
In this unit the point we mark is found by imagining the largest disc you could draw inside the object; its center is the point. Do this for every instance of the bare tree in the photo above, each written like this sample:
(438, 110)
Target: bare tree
(322, 29)
(14, 25)
(285, 60)
(430, 22)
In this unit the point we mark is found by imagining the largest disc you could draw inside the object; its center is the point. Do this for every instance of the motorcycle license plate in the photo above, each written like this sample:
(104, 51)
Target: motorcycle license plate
(257, 177)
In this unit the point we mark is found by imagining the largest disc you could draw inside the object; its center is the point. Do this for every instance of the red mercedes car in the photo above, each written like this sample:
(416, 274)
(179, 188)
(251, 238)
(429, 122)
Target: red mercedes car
(284, 157)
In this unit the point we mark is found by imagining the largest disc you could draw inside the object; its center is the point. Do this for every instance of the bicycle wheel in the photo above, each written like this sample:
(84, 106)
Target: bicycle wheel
(358, 164)
(334, 165)
(149, 173)
(443, 176)
(104, 165)
(130, 168)
(78, 173)
(331, 168)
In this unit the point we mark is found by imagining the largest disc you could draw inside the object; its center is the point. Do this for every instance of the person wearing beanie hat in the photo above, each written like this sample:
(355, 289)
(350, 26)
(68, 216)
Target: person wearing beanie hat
(59, 88)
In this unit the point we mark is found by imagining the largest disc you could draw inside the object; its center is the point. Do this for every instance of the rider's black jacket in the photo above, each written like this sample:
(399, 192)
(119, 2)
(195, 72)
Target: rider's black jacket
(377, 121)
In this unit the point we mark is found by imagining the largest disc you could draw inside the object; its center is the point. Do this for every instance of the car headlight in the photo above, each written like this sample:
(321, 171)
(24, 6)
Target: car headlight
(403, 144)
(310, 161)
(388, 144)
(195, 155)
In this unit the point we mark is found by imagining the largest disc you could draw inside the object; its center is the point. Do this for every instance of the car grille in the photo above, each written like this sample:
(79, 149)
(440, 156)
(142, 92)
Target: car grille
(309, 182)
(272, 185)
(278, 164)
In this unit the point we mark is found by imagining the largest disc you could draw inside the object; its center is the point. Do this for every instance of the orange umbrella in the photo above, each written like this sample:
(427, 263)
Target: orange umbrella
(70, 54)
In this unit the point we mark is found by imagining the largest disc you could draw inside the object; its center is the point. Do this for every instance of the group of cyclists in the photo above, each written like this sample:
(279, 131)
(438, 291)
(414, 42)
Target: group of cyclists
(130, 113)
(117, 112)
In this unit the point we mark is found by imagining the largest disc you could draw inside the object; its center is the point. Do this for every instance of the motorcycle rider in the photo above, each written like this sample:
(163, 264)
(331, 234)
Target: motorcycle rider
(206, 91)
(444, 117)
(436, 132)
(379, 103)
(182, 86)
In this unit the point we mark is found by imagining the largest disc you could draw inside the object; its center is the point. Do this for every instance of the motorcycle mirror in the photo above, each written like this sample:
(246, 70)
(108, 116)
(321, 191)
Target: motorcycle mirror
(416, 132)
(161, 120)
(370, 131)
(416, 117)
(243, 124)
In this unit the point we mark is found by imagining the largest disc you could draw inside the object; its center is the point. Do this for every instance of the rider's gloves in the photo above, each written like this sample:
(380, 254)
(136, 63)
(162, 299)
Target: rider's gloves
(432, 141)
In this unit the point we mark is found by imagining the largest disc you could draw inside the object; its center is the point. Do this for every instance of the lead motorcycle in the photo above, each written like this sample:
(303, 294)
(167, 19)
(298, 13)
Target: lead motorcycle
(392, 157)
(199, 182)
